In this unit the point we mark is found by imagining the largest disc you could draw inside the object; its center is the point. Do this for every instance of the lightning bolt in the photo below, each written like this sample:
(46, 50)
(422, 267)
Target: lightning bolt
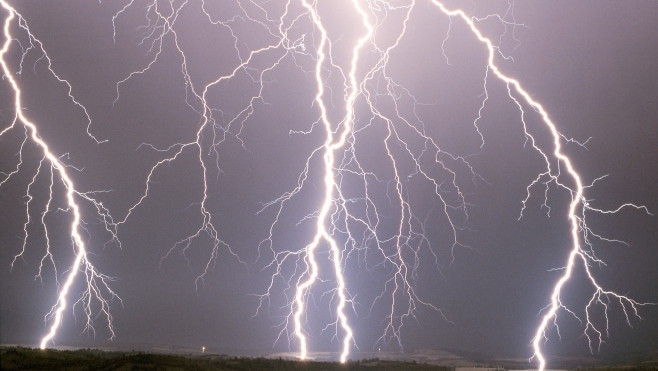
(366, 215)
(581, 247)
(96, 283)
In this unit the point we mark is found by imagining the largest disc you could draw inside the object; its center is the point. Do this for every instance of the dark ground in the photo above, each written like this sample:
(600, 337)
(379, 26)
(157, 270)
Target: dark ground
(20, 358)
(98, 360)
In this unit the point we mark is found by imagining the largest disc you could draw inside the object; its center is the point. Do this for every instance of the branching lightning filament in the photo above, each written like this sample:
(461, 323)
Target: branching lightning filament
(96, 283)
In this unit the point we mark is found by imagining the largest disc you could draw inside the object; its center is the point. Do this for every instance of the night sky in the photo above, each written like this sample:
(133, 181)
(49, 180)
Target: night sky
(592, 65)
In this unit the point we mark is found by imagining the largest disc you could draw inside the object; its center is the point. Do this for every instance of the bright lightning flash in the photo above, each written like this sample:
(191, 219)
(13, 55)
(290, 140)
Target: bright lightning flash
(96, 283)
(576, 214)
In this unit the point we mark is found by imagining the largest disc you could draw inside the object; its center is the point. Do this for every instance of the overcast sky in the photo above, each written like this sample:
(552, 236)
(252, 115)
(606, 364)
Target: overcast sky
(592, 65)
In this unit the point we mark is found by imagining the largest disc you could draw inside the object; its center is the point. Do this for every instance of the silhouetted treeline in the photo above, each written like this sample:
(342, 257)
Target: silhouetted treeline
(97, 360)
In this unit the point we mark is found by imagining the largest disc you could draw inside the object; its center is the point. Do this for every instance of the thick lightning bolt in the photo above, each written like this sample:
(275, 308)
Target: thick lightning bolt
(331, 146)
(96, 283)
(581, 248)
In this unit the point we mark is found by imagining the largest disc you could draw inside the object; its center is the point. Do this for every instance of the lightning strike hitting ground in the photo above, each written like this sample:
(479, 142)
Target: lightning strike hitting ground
(363, 214)
(579, 230)
(96, 283)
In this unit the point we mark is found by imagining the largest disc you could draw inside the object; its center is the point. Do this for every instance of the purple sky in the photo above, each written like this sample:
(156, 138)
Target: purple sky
(592, 65)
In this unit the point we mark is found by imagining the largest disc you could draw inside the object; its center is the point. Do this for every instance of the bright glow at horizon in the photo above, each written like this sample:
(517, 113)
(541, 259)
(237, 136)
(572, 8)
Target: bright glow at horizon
(347, 222)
